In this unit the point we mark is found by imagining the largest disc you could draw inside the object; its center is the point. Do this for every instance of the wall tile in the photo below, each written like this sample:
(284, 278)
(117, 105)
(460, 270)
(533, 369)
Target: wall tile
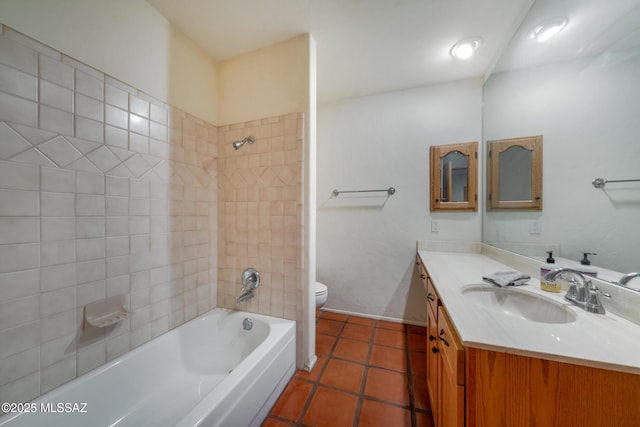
(87, 293)
(89, 183)
(58, 301)
(18, 110)
(58, 277)
(56, 350)
(19, 230)
(57, 252)
(56, 72)
(116, 117)
(90, 271)
(57, 204)
(91, 130)
(57, 180)
(20, 365)
(19, 284)
(20, 338)
(57, 229)
(89, 85)
(57, 374)
(88, 107)
(90, 205)
(19, 257)
(12, 142)
(18, 83)
(90, 227)
(90, 249)
(116, 137)
(55, 120)
(19, 311)
(56, 96)
(18, 56)
(59, 324)
(116, 96)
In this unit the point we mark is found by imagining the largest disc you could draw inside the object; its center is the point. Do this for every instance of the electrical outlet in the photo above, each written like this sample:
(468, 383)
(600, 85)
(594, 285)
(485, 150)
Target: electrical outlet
(435, 226)
(535, 227)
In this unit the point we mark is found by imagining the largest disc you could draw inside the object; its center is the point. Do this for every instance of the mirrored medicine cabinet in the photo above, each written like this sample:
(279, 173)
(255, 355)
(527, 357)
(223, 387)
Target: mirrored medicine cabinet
(454, 177)
(514, 173)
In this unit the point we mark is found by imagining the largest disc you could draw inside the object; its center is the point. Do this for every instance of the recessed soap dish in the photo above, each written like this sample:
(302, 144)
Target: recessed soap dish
(106, 312)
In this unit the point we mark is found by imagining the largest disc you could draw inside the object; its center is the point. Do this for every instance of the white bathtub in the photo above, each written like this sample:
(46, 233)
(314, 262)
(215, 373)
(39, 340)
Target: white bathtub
(208, 372)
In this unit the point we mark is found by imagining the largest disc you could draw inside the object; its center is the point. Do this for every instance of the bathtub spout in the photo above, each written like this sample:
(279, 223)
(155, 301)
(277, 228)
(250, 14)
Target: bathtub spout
(245, 297)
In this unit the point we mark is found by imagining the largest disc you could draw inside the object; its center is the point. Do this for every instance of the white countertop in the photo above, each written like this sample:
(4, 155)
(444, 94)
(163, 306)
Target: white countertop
(603, 341)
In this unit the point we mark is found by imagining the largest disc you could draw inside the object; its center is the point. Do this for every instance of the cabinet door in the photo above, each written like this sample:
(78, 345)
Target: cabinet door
(451, 411)
(451, 376)
(433, 357)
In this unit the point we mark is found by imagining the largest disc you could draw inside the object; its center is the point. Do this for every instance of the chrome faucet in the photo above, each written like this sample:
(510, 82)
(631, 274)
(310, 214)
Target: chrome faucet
(582, 292)
(250, 281)
(626, 278)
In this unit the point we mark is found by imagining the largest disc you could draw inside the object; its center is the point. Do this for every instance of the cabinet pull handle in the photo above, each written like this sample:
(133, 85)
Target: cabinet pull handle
(430, 297)
(440, 336)
(422, 276)
(434, 350)
(431, 338)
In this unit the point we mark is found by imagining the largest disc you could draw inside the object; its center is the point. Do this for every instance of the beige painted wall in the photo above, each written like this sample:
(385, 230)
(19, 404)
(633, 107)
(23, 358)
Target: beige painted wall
(267, 82)
(128, 40)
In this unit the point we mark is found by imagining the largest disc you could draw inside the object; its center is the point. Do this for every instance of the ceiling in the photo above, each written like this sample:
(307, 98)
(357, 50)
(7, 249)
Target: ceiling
(363, 46)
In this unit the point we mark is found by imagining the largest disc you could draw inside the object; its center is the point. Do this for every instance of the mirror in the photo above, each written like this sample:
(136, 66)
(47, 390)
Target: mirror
(514, 173)
(454, 183)
(581, 90)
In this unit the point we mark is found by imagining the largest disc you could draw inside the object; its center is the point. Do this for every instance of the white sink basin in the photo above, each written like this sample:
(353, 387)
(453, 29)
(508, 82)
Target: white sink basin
(518, 303)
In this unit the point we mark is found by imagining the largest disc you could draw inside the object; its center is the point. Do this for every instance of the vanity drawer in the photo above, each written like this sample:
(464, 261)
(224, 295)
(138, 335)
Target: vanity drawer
(432, 297)
(450, 348)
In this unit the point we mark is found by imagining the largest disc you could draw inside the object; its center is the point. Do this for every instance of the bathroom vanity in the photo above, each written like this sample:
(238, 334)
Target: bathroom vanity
(539, 362)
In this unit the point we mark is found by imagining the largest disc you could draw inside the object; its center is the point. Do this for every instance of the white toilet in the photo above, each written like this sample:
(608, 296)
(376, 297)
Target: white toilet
(321, 295)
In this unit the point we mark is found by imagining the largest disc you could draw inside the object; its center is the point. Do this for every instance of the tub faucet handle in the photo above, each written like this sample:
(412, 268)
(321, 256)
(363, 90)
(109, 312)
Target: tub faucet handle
(250, 279)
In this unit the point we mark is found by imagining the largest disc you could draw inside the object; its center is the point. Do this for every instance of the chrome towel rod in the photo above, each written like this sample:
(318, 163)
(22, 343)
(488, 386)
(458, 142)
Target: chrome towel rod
(600, 182)
(389, 191)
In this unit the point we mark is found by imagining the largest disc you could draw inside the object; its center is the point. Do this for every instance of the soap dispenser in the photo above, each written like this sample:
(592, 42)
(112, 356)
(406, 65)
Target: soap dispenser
(544, 269)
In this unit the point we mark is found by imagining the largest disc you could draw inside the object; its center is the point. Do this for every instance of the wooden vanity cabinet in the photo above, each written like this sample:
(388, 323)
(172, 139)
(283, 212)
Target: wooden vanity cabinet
(445, 361)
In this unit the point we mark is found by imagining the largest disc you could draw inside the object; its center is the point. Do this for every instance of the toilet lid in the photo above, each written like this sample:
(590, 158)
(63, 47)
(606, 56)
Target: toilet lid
(321, 288)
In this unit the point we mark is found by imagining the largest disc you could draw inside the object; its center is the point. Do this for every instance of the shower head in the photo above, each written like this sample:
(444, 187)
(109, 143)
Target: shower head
(250, 139)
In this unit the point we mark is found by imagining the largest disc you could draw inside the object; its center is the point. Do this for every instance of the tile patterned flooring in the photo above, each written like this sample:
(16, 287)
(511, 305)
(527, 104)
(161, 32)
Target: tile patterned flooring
(369, 373)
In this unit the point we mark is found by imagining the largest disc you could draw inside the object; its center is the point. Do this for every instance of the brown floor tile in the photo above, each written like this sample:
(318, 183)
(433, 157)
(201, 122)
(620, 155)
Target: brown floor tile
(315, 372)
(292, 400)
(418, 363)
(331, 408)
(333, 316)
(374, 414)
(344, 375)
(424, 420)
(420, 393)
(357, 332)
(364, 321)
(356, 351)
(329, 327)
(390, 338)
(271, 422)
(415, 329)
(390, 358)
(324, 343)
(417, 342)
(387, 385)
(391, 325)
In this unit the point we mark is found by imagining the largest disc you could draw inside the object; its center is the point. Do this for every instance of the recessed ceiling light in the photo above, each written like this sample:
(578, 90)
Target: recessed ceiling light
(466, 48)
(548, 29)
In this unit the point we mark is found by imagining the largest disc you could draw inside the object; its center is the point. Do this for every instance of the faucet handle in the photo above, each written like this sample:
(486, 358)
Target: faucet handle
(593, 304)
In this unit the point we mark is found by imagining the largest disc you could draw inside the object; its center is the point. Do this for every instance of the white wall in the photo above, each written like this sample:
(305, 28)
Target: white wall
(266, 82)
(366, 245)
(128, 40)
(587, 112)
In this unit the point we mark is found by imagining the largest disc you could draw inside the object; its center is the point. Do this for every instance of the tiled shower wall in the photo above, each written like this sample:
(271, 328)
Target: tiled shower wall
(103, 191)
(260, 217)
